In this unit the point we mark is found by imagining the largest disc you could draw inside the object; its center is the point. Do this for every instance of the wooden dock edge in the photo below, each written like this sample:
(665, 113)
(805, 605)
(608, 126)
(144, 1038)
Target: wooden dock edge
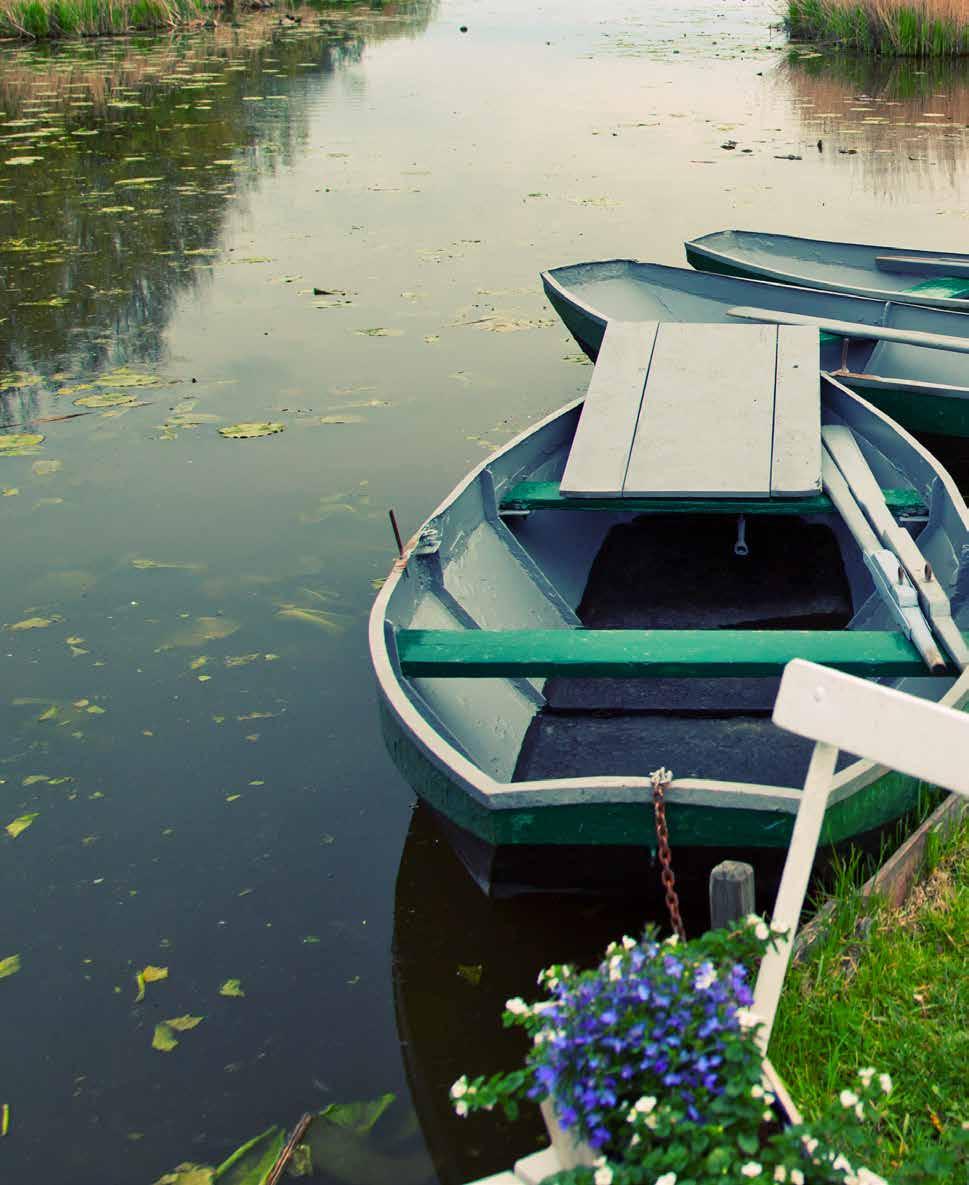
(894, 880)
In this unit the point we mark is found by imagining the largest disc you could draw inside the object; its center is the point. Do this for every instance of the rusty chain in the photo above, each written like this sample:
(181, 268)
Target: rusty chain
(661, 779)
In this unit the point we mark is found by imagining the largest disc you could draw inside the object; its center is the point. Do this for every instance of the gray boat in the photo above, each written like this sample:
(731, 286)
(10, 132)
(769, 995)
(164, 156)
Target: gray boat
(937, 278)
(910, 361)
(596, 601)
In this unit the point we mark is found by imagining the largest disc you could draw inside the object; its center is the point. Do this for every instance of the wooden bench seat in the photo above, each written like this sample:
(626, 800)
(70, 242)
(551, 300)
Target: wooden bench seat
(650, 653)
(547, 495)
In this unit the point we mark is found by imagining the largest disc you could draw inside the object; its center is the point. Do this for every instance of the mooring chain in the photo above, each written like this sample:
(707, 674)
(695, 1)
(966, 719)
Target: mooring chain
(661, 779)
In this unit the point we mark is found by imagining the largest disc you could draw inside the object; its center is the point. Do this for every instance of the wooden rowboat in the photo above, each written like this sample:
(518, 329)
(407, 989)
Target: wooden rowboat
(911, 361)
(935, 278)
(552, 635)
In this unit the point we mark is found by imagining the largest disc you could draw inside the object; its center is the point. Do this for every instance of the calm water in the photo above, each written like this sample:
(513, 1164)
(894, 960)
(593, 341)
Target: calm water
(187, 706)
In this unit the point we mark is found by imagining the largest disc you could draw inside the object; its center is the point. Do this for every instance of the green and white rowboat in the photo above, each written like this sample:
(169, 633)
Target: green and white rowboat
(936, 278)
(910, 361)
(618, 589)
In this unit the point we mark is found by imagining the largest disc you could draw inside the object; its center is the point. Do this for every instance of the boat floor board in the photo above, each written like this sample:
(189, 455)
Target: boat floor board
(547, 495)
(742, 748)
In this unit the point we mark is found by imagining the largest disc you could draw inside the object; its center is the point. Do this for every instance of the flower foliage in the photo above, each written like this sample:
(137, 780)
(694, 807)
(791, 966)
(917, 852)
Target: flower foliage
(652, 1059)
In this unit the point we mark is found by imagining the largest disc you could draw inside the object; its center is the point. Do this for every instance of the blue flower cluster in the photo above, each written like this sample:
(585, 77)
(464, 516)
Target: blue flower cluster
(650, 1020)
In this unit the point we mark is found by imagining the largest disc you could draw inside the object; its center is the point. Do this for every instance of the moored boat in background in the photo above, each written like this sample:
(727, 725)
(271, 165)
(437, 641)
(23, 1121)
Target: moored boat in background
(936, 278)
(900, 357)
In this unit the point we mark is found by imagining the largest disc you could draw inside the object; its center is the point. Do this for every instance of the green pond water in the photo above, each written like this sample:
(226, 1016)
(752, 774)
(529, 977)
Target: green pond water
(333, 226)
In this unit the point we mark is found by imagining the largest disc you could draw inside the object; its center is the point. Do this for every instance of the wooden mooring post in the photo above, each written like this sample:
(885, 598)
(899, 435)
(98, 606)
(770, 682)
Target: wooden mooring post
(731, 893)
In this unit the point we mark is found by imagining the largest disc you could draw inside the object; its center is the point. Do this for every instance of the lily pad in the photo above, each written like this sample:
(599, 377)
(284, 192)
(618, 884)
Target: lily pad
(124, 377)
(46, 468)
(358, 1117)
(34, 623)
(19, 444)
(9, 966)
(105, 400)
(250, 431)
(13, 380)
(19, 825)
(205, 629)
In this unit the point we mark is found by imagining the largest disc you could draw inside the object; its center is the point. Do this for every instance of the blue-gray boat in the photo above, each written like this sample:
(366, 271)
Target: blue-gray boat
(912, 362)
(936, 278)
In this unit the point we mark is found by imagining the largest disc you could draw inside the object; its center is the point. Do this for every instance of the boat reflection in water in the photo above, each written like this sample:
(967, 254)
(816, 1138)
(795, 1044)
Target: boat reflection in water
(458, 956)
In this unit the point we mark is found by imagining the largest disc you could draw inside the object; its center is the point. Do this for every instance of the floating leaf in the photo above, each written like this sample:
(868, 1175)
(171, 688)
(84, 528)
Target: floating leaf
(144, 565)
(12, 380)
(163, 1039)
(51, 714)
(123, 377)
(20, 824)
(341, 420)
(4, 1119)
(188, 1174)
(9, 966)
(46, 468)
(182, 1024)
(136, 180)
(33, 779)
(106, 399)
(250, 1164)
(240, 660)
(317, 617)
(470, 973)
(233, 988)
(19, 444)
(250, 430)
(379, 331)
(23, 160)
(147, 975)
(34, 623)
(358, 1117)
(9, 492)
(205, 629)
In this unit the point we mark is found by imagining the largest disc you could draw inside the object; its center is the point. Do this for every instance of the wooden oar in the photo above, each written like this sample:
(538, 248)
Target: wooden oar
(891, 582)
(919, 265)
(843, 448)
(878, 333)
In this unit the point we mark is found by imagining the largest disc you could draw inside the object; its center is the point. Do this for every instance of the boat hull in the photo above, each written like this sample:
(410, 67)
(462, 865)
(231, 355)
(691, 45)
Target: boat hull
(602, 847)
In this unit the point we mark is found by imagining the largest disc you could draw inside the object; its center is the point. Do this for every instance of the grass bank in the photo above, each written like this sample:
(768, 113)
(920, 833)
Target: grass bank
(49, 19)
(902, 28)
(888, 988)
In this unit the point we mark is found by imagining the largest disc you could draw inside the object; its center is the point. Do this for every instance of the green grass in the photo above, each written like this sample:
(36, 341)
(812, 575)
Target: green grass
(50, 19)
(888, 989)
(902, 28)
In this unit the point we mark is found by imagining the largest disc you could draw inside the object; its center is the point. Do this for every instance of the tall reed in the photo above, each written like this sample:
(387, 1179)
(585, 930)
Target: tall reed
(902, 28)
(48, 19)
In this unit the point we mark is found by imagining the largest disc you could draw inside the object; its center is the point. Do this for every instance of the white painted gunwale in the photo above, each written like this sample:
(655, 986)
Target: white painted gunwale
(802, 281)
(607, 789)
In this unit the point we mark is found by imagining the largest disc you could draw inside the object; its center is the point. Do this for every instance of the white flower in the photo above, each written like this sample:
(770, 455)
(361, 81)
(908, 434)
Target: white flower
(645, 1105)
(705, 979)
(651, 1122)
(866, 1073)
(666, 1179)
(797, 1177)
(758, 925)
(752, 1168)
(848, 1098)
(867, 1177)
(671, 941)
(460, 1087)
(628, 942)
(810, 1144)
(780, 1174)
(635, 1140)
(768, 1116)
(612, 948)
(842, 1164)
(603, 1175)
(885, 1082)
(516, 1006)
(756, 1091)
(746, 1018)
(461, 1108)
(859, 1111)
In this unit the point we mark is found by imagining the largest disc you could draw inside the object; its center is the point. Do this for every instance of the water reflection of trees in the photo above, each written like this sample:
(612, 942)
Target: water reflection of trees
(905, 120)
(91, 263)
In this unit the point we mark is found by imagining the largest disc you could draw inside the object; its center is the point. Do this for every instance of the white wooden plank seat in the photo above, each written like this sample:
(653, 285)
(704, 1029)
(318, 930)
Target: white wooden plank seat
(699, 411)
(922, 265)
(841, 712)
(853, 329)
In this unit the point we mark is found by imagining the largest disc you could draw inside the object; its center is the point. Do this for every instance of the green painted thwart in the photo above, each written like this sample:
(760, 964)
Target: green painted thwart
(596, 823)
(945, 415)
(545, 495)
(650, 653)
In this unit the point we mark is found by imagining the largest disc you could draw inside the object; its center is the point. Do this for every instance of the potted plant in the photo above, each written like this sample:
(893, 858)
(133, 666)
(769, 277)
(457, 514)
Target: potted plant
(649, 1072)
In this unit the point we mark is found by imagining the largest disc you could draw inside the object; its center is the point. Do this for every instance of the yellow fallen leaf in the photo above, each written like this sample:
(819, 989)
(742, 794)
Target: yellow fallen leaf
(33, 623)
(20, 825)
(9, 966)
(163, 1038)
(183, 1023)
(4, 1119)
(233, 988)
(146, 975)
